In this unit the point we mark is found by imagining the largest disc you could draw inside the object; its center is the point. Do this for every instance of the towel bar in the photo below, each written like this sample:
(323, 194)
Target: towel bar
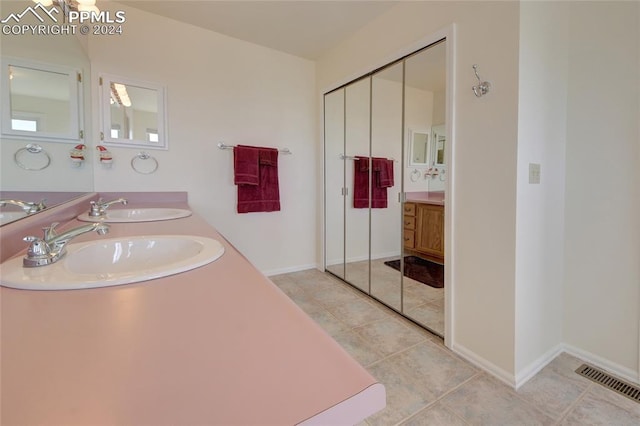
(349, 157)
(225, 146)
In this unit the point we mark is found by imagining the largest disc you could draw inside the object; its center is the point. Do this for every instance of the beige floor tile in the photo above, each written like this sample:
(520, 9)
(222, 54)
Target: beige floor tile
(358, 312)
(555, 388)
(485, 401)
(601, 406)
(406, 394)
(363, 351)
(428, 315)
(428, 384)
(435, 366)
(390, 335)
(436, 415)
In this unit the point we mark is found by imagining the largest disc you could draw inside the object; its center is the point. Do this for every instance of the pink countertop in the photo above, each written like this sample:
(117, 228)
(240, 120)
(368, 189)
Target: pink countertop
(218, 345)
(433, 197)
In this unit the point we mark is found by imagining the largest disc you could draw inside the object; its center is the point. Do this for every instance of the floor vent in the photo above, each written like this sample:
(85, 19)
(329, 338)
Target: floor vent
(623, 388)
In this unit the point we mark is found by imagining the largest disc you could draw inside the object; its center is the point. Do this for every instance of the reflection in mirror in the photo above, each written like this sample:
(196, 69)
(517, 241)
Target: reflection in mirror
(357, 115)
(18, 204)
(133, 113)
(334, 177)
(419, 148)
(423, 209)
(386, 147)
(43, 58)
(439, 142)
(40, 100)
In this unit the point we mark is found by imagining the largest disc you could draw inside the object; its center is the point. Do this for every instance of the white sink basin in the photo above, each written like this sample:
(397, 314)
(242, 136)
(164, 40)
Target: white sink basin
(114, 261)
(138, 215)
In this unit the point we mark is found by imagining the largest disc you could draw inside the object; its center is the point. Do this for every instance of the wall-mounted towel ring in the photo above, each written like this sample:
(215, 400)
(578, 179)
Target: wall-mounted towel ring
(140, 164)
(415, 175)
(483, 86)
(39, 162)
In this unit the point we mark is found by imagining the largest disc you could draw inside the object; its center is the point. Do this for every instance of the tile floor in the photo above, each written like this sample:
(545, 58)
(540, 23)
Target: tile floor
(429, 385)
(422, 303)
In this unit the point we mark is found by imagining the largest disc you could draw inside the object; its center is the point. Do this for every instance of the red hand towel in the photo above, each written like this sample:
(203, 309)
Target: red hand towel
(382, 177)
(245, 165)
(361, 183)
(265, 196)
(384, 168)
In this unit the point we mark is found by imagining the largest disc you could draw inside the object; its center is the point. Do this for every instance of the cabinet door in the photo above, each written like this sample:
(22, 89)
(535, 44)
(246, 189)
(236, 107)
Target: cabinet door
(430, 229)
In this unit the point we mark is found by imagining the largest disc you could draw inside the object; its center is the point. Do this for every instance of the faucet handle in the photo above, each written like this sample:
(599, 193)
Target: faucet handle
(50, 231)
(37, 247)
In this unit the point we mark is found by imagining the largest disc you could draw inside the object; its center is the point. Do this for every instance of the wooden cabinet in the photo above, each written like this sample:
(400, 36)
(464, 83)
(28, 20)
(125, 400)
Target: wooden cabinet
(424, 229)
(409, 225)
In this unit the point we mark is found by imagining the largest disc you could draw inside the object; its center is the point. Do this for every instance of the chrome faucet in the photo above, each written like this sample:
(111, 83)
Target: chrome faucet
(99, 208)
(26, 206)
(51, 248)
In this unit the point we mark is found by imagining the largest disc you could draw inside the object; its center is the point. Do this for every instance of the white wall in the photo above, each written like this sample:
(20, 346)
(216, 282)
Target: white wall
(220, 89)
(602, 214)
(485, 154)
(542, 117)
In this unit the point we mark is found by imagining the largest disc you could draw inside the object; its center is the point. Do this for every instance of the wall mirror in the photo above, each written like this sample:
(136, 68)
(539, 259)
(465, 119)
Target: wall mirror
(49, 55)
(419, 147)
(133, 113)
(41, 101)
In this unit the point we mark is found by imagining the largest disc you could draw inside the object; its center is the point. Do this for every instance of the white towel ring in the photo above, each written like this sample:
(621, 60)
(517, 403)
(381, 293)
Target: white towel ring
(138, 163)
(32, 148)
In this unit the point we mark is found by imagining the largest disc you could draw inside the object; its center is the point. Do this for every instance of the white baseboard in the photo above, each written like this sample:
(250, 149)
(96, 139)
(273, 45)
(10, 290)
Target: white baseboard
(534, 368)
(287, 270)
(524, 375)
(485, 365)
(597, 361)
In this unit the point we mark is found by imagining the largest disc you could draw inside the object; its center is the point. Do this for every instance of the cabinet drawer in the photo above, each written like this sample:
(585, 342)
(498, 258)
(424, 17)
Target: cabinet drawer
(409, 222)
(409, 209)
(409, 239)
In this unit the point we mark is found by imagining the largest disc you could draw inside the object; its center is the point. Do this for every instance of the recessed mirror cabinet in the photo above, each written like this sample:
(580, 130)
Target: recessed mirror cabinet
(379, 129)
(41, 101)
(133, 113)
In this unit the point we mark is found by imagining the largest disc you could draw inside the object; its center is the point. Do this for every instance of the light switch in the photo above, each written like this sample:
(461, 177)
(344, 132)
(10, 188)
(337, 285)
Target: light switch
(534, 173)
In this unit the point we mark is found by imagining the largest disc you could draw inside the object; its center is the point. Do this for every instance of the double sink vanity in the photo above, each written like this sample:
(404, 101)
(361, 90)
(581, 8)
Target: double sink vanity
(158, 321)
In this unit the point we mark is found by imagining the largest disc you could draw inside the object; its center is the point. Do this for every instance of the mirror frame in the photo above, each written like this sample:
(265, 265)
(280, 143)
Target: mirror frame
(105, 81)
(76, 96)
(410, 151)
(436, 131)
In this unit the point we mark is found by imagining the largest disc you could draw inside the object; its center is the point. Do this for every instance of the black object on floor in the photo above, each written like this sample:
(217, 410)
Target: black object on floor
(424, 271)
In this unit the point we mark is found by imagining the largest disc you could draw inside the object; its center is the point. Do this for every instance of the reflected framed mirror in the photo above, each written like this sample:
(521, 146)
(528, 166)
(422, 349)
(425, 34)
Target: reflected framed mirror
(41, 101)
(418, 147)
(133, 113)
(439, 143)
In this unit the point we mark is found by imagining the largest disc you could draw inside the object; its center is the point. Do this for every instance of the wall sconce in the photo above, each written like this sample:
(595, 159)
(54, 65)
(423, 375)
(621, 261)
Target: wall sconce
(483, 86)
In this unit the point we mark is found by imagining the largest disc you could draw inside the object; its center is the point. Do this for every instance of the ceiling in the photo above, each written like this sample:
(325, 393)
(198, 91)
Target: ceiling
(305, 28)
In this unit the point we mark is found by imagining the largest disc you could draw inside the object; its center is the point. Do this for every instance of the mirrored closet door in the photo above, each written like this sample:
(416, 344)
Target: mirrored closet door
(423, 207)
(385, 174)
(386, 152)
(334, 200)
